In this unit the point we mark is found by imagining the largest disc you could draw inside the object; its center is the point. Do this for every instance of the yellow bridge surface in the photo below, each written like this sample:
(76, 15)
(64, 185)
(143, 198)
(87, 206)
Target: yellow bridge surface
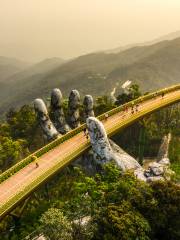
(22, 183)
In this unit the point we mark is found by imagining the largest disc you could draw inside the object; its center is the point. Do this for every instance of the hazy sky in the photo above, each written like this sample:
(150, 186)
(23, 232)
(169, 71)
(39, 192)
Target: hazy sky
(37, 29)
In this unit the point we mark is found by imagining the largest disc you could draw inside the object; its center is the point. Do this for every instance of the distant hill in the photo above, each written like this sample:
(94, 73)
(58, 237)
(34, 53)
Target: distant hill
(169, 36)
(18, 85)
(160, 69)
(37, 69)
(10, 66)
(152, 67)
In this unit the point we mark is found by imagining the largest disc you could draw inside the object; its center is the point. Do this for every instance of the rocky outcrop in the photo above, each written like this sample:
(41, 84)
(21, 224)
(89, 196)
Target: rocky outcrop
(47, 126)
(129, 161)
(58, 112)
(88, 106)
(73, 109)
(155, 169)
(139, 173)
(159, 169)
(40, 237)
(105, 150)
(162, 157)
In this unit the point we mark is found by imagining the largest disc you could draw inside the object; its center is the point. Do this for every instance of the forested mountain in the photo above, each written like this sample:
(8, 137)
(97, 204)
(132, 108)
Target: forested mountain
(151, 67)
(12, 87)
(160, 69)
(37, 69)
(10, 66)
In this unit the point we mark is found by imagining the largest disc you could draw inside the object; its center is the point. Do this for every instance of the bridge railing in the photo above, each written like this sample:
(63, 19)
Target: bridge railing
(14, 169)
(46, 174)
(139, 100)
(11, 171)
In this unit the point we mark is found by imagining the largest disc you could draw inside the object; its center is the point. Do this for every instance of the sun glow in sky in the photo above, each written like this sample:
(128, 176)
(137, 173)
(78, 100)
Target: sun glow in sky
(37, 29)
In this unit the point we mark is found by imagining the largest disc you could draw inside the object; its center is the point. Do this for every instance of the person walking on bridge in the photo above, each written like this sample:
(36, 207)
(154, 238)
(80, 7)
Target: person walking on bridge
(84, 130)
(126, 109)
(86, 133)
(132, 108)
(106, 116)
(35, 160)
(137, 107)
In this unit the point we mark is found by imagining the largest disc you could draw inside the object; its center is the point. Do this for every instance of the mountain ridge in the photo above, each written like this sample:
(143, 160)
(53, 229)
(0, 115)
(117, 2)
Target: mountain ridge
(10, 66)
(169, 36)
(152, 67)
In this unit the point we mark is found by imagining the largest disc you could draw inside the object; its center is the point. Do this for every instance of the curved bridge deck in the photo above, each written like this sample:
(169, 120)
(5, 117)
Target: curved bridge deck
(17, 187)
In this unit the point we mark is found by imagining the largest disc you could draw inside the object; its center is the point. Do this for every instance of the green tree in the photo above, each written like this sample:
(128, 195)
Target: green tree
(123, 222)
(55, 225)
(22, 123)
(133, 93)
(102, 104)
(11, 151)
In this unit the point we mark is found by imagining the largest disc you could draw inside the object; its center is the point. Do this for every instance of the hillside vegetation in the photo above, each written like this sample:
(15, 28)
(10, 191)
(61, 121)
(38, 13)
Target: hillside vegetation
(151, 67)
(13, 86)
(10, 66)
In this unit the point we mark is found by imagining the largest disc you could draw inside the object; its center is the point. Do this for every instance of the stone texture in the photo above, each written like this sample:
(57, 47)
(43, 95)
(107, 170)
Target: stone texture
(104, 151)
(40, 237)
(73, 109)
(164, 161)
(129, 161)
(47, 126)
(88, 106)
(159, 170)
(58, 112)
(99, 141)
(164, 148)
(156, 169)
(139, 173)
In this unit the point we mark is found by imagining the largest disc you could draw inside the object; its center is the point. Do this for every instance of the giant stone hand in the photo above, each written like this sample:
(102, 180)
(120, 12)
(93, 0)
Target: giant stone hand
(59, 125)
(58, 112)
(88, 106)
(103, 149)
(47, 126)
(73, 109)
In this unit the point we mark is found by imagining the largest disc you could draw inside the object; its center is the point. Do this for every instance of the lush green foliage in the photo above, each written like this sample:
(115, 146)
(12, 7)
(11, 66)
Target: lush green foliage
(134, 92)
(106, 206)
(55, 225)
(18, 136)
(10, 151)
(114, 206)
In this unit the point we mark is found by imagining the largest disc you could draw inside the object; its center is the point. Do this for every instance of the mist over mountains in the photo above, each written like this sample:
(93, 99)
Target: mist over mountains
(10, 66)
(169, 36)
(151, 66)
